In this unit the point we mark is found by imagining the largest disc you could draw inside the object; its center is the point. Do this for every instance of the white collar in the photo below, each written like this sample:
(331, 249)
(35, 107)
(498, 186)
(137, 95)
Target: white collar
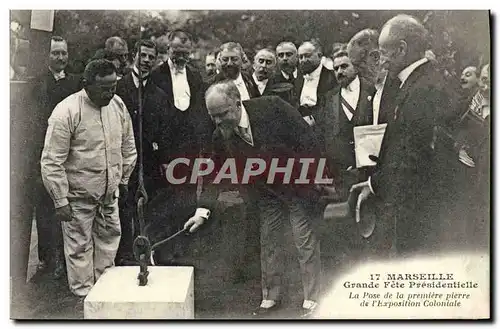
(262, 83)
(287, 76)
(57, 75)
(136, 78)
(172, 67)
(405, 73)
(316, 73)
(354, 85)
(239, 80)
(244, 120)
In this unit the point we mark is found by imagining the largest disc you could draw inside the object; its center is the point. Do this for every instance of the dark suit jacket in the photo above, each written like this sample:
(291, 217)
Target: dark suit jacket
(46, 94)
(406, 176)
(337, 140)
(252, 89)
(279, 87)
(278, 131)
(326, 83)
(197, 112)
(162, 78)
(155, 105)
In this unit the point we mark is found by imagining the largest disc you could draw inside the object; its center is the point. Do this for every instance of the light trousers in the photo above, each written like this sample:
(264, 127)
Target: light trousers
(91, 241)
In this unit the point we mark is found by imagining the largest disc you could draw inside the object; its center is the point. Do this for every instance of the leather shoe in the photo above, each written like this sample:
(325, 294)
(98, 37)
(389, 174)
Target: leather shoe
(264, 312)
(308, 312)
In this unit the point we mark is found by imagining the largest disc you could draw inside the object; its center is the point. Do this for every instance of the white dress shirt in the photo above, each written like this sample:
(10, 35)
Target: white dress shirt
(242, 88)
(58, 75)
(309, 95)
(351, 95)
(286, 76)
(245, 124)
(403, 76)
(180, 87)
(135, 77)
(376, 101)
(260, 84)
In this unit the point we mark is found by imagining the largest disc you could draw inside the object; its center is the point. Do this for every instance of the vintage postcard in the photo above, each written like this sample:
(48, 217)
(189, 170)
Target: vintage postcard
(250, 164)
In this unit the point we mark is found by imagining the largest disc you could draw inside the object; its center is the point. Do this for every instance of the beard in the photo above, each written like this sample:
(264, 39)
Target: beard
(226, 132)
(262, 75)
(287, 67)
(308, 68)
(231, 72)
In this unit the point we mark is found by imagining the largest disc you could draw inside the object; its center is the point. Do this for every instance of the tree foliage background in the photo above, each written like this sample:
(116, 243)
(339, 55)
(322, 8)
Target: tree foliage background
(459, 38)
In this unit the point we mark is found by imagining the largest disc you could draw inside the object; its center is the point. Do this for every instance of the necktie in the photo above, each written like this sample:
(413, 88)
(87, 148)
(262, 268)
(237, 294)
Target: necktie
(144, 78)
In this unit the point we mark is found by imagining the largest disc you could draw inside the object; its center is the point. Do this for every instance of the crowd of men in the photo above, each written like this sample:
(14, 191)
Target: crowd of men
(115, 130)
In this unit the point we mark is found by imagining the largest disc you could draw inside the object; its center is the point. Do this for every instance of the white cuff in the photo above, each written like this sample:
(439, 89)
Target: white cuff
(370, 184)
(202, 212)
(59, 203)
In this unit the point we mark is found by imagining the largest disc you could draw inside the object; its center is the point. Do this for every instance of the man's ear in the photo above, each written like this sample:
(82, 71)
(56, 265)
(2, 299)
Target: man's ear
(403, 47)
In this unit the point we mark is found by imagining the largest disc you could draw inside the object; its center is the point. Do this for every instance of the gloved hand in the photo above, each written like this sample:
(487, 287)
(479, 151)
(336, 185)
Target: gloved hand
(123, 189)
(64, 213)
(194, 223)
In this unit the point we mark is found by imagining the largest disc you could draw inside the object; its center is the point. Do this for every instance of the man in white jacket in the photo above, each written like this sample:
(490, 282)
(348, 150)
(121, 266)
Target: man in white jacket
(88, 156)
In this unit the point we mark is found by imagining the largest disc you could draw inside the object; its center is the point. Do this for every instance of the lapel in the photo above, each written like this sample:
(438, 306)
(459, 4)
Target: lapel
(167, 82)
(299, 83)
(403, 93)
(324, 81)
(255, 127)
(253, 90)
(331, 113)
(191, 80)
(363, 107)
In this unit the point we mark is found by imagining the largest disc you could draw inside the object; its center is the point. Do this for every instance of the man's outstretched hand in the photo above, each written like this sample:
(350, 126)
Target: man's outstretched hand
(194, 223)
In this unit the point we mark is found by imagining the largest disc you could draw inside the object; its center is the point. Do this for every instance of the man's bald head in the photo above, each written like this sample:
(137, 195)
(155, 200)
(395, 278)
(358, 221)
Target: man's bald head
(403, 40)
(264, 64)
(223, 102)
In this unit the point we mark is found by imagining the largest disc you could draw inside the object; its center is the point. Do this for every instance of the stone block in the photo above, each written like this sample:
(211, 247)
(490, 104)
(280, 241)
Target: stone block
(117, 295)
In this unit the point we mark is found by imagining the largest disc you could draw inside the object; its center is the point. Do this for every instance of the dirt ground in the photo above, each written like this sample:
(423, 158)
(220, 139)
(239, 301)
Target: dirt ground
(216, 252)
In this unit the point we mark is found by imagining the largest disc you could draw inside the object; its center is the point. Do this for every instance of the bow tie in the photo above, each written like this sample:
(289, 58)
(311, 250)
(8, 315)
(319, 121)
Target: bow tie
(179, 71)
(308, 77)
(59, 76)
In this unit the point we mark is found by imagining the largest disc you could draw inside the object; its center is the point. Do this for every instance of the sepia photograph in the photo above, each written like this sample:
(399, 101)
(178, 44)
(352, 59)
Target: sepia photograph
(250, 164)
